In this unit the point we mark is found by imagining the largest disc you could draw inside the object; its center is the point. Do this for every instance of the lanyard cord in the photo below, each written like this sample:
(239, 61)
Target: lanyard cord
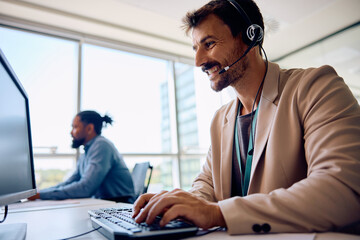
(244, 181)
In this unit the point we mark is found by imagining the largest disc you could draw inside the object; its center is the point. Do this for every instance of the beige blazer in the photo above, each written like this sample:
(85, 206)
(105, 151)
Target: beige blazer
(306, 167)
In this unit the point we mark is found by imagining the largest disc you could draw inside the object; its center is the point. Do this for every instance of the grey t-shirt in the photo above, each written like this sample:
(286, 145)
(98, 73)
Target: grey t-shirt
(244, 127)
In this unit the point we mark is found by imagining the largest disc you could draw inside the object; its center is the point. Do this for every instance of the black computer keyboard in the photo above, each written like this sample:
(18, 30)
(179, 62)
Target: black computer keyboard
(117, 223)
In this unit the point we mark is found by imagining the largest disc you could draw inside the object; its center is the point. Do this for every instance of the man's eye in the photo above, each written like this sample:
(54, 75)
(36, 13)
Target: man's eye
(210, 44)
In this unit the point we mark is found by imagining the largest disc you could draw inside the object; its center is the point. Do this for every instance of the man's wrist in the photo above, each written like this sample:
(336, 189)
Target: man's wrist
(219, 218)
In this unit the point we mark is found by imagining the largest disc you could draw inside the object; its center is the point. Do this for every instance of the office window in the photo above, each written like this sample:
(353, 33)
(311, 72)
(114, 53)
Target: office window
(162, 174)
(196, 105)
(161, 109)
(133, 90)
(128, 87)
(47, 68)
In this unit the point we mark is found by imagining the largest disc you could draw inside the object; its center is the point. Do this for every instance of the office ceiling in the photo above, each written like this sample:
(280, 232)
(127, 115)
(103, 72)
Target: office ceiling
(156, 24)
(281, 18)
(273, 10)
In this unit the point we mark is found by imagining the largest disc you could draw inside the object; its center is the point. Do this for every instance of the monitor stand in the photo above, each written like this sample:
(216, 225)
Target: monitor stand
(13, 231)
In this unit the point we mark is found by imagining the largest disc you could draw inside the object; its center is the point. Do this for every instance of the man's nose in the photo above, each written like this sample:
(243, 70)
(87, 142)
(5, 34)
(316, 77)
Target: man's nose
(200, 58)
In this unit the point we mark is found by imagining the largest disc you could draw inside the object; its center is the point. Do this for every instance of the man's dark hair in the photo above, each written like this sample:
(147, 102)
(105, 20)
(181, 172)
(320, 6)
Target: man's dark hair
(227, 13)
(94, 118)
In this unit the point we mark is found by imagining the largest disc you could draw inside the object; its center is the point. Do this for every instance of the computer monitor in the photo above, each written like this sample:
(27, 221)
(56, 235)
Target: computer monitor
(17, 178)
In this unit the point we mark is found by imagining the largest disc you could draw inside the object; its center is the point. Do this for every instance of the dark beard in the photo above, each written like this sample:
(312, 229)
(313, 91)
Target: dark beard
(223, 83)
(228, 78)
(234, 77)
(76, 143)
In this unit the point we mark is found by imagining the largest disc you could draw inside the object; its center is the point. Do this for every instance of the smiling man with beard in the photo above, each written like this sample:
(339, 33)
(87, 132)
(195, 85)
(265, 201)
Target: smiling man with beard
(101, 171)
(284, 154)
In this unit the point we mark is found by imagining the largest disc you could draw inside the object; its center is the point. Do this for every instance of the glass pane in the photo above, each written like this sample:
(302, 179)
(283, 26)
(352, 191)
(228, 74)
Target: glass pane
(186, 107)
(52, 170)
(161, 178)
(47, 68)
(190, 168)
(196, 105)
(132, 89)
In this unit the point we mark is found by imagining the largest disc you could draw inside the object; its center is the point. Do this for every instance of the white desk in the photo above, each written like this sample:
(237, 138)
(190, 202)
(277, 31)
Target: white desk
(56, 219)
(61, 219)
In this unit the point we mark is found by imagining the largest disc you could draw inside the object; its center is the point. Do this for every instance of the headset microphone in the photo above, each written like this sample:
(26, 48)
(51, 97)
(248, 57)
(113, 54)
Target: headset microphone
(257, 35)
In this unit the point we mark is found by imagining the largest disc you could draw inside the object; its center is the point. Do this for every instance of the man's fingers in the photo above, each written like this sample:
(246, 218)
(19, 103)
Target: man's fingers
(141, 202)
(148, 200)
(176, 211)
(194, 213)
(159, 206)
(179, 203)
(175, 204)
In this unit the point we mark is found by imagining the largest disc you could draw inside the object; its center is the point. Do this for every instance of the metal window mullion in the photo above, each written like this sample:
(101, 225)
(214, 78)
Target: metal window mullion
(176, 166)
(79, 85)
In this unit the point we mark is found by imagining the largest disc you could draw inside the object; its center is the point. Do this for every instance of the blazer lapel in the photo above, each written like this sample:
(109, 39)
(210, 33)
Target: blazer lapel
(227, 138)
(267, 110)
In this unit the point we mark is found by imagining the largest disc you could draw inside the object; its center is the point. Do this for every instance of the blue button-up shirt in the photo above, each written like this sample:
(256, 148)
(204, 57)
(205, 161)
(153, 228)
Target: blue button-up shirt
(101, 173)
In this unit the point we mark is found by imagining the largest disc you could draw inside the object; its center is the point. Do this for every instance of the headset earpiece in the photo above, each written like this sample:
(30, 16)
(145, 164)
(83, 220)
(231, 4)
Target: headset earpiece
(255, 33)
(252, 29)
(252, 37)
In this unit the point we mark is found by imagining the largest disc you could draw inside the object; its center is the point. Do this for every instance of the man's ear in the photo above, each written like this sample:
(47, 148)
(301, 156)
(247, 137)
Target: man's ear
(90, 129)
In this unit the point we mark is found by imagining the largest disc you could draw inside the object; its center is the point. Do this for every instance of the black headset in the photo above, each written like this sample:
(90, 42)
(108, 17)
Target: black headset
(254, 33)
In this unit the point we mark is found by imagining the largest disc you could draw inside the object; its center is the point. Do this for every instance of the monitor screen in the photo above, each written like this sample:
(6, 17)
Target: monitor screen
(17, 180)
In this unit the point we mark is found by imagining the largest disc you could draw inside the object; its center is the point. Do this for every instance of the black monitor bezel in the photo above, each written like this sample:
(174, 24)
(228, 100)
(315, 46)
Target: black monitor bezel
(7, 199)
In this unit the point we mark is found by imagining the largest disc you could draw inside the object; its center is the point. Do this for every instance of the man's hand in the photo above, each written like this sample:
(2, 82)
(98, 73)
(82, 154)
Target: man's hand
(175, 204)
(36, 196)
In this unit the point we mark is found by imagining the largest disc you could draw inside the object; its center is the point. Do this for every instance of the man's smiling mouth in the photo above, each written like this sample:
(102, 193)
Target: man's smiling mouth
(212, 70)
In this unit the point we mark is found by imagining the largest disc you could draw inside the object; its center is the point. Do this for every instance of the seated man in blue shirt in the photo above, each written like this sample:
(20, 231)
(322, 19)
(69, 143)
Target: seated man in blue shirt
(101, 171)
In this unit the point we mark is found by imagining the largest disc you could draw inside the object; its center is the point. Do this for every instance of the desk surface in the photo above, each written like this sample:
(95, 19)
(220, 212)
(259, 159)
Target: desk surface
(64, 219)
